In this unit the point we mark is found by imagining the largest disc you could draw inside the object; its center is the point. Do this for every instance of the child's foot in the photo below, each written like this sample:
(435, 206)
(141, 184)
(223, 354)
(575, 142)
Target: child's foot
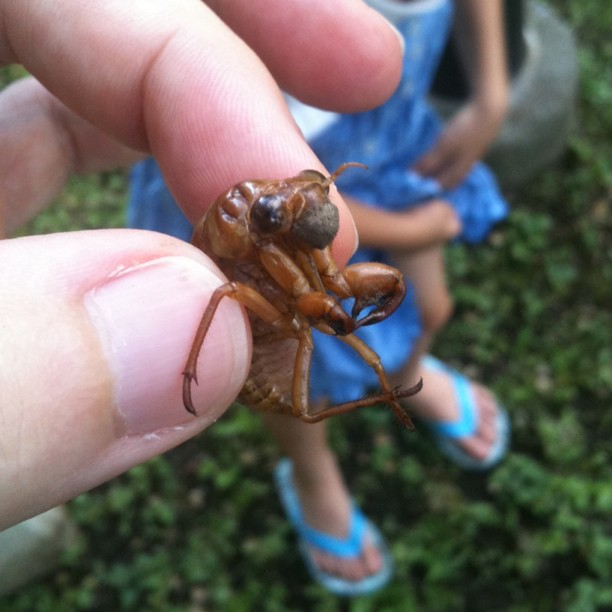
(343, 550)
(468, 422)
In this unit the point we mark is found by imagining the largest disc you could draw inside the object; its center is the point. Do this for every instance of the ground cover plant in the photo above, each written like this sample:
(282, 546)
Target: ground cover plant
(201, 527)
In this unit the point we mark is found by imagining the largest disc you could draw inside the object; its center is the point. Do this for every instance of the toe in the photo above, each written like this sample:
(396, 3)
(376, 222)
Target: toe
(479, 445)
(353, 569)
(372, 559)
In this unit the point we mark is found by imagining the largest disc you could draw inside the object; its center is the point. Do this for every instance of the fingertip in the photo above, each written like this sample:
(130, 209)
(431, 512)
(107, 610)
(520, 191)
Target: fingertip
(354, 54)
(347, 240)
(101, 325)
(146, 318)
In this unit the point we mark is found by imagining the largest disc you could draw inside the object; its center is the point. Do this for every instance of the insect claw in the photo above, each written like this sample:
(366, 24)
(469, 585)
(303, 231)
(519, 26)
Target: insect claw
(408, 392)
(191, 409)
(187, 402)
(404, 418)
(400, 412)
(191, 377)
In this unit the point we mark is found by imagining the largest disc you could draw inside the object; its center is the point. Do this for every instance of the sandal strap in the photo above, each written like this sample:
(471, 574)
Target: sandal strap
(466, 423)
(348, 547)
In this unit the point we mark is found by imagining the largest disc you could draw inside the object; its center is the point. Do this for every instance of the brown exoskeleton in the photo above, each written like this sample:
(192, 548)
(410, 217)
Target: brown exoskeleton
(272, 239)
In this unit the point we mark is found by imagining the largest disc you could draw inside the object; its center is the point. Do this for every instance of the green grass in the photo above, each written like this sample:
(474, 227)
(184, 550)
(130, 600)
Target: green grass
(201, 528)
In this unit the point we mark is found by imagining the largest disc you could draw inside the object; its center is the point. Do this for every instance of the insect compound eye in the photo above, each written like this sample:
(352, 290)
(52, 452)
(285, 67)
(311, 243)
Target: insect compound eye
(317, 226)
(268, 213)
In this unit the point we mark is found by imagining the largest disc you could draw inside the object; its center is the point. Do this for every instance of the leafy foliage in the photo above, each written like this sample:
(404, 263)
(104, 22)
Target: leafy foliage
(201, 528)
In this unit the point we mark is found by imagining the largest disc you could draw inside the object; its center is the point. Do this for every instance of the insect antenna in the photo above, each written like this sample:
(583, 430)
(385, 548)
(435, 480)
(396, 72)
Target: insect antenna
(328, 181)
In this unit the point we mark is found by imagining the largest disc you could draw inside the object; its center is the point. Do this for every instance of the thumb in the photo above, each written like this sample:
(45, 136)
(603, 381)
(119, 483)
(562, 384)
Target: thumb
(95, 328)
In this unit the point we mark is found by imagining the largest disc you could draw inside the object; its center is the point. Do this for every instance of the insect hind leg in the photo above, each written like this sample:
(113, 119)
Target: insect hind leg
(389, 395)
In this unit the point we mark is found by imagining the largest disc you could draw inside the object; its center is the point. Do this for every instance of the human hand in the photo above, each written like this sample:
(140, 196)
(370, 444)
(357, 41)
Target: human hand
(463, 142)
(96, 325)
(175, 80)
(95, 330)
(433, 223)
(479, 34)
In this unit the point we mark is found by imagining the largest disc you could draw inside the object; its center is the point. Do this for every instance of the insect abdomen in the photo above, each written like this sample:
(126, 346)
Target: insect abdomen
(268, 386)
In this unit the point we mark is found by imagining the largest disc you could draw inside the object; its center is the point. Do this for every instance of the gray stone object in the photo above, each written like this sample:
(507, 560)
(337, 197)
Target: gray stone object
(32, 548)
(541, 111)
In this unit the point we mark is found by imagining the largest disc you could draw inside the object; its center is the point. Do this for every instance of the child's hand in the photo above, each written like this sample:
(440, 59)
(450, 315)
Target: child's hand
(464, 141)
(432, 224)
(468, 134)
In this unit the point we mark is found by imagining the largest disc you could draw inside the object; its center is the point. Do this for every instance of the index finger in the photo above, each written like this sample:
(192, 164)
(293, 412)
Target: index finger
(174, 80)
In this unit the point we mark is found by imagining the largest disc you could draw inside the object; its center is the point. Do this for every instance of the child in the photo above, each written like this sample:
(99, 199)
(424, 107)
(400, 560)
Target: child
(417, 195)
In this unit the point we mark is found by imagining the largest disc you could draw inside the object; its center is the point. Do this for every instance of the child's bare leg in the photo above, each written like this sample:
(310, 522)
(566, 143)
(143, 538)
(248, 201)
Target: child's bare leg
(323, 494)
(425, 269)
(437, 401)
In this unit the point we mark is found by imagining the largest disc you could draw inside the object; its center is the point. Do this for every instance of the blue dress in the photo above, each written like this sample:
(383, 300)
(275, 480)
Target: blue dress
(388, 139)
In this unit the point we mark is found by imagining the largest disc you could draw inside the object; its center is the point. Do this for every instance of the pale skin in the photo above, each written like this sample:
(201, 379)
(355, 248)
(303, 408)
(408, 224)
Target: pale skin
(416, 238)
(162, 60)
(122, 80)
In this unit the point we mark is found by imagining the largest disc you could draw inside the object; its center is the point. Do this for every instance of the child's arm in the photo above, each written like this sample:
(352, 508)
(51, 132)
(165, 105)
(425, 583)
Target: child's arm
(479, 31)
(431, 224)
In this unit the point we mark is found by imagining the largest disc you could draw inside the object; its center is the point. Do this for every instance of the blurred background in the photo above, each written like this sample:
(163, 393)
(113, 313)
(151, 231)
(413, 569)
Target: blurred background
(201, 528)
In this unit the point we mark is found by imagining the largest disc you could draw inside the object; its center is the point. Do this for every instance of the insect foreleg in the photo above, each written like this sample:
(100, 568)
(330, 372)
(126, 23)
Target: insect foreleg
(320, 308)
(374, 285)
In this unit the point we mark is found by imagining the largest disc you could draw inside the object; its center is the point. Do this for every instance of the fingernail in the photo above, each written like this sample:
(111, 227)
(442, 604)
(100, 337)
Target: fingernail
(356, 238)
(146, 317)
(397, 33)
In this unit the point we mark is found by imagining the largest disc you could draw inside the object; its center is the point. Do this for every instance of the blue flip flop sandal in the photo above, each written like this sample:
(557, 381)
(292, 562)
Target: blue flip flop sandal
(446, 433)
(343, 548)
